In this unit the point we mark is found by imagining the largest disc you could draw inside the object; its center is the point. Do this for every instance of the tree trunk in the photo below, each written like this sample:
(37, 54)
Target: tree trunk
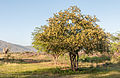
(70, 55)
(74, 60)
(55, 57)
(77, 60)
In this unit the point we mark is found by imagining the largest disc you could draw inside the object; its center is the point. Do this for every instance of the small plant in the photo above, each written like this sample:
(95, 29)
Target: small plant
(83, 57)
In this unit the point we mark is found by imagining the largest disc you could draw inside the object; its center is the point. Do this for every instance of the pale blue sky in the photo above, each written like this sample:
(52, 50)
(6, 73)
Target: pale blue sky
(18, 18)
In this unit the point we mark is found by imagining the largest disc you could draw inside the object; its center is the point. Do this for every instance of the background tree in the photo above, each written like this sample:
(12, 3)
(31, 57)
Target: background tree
(71, 31)
(115, 42)
(5, 50)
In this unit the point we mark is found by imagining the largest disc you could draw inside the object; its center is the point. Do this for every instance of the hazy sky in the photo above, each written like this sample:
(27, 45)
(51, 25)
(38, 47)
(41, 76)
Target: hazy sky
(18, 18)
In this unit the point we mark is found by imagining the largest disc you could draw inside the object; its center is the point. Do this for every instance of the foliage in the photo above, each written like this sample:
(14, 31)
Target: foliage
(95, 59)
(71, 31)
(115, 47)
(115, 42)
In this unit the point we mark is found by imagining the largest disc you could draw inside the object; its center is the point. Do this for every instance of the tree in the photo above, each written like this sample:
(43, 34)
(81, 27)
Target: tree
(115, 42)
(71, 31)
(5, 50)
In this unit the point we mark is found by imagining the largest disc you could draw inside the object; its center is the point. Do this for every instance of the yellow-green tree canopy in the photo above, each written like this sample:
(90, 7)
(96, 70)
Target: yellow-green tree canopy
(71, 31)
(115, 42)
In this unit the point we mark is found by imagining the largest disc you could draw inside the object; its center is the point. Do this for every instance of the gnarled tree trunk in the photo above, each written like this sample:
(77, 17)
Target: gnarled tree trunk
(74, 57)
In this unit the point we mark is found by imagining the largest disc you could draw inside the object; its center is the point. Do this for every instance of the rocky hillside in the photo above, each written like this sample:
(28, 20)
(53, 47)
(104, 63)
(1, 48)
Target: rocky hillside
(15, 47)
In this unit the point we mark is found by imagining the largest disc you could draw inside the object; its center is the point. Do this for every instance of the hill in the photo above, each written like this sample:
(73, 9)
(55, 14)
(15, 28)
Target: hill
(15, 47)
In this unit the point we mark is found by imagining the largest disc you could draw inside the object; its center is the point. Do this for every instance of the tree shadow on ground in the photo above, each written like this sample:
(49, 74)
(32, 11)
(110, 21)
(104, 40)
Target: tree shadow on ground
(66, 71)
(23, 61)
(58, 72)
(111, 76)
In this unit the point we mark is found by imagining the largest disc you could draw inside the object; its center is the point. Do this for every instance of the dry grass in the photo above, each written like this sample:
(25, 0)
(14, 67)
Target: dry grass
(42, 66)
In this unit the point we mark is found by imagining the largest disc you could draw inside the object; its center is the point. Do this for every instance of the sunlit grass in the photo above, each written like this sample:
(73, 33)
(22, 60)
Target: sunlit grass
(47, 69)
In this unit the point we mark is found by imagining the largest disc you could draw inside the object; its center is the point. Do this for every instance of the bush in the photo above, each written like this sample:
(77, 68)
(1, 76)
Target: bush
(116, 57)
(94, 59)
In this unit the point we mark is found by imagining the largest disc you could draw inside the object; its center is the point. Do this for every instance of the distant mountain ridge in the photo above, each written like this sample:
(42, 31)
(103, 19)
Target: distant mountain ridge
(15, 47)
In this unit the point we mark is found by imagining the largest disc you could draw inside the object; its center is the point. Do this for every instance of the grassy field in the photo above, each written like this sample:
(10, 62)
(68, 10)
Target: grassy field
(27, 65)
